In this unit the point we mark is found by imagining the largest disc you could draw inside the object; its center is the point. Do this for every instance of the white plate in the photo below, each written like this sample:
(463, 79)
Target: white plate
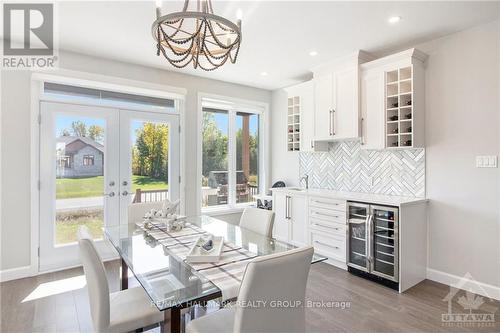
(198, 255)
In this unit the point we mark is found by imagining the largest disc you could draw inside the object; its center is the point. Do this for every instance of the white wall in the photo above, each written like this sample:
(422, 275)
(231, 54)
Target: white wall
(462, 121)
(15, 142)
(284, 164)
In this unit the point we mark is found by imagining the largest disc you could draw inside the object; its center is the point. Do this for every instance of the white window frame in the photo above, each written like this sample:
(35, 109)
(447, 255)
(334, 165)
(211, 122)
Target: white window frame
(233, 106)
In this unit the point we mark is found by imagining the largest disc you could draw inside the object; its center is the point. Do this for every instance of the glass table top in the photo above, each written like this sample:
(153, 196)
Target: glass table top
(168, 280)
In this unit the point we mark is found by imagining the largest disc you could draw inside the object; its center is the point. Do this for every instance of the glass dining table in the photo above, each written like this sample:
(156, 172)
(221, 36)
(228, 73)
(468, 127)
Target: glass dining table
(170, 282)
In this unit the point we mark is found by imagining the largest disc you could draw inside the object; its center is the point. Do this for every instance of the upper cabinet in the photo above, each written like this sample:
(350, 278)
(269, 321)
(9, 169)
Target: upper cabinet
(336, 98)
(380, 102)
(392, 101)
(300, 117)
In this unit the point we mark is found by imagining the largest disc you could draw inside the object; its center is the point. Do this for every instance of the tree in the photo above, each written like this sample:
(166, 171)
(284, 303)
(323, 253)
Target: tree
(79, 128)
(65, 132)
(96, 133)
(150, 153)
(214, 149)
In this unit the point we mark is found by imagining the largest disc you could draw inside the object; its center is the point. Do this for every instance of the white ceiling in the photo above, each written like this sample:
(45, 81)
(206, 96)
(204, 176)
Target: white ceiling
(277, 35)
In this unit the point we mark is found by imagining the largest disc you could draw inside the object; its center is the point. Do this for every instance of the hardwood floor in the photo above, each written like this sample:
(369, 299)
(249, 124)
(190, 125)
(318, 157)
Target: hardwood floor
(31, 304)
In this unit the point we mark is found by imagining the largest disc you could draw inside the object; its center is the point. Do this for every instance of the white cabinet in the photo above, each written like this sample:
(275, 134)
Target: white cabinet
(280, 228)
(323, 99)
(300, 117)
(336, 98)
(372, 110)
(346, 104)
(392, 101)
(336, 105)
(290, 221)
(327, 228)
(298, 220)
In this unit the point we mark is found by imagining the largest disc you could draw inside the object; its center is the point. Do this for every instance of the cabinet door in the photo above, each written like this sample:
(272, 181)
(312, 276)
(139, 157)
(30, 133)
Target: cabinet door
(280, 208)
(307, 116)
(345, 104)
(372, 110)
(298, 221)
(323, 92)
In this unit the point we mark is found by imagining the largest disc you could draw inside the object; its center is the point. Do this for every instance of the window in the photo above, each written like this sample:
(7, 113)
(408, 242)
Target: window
(247, 157)
(88, 160)
(230, 156)
(65, 161)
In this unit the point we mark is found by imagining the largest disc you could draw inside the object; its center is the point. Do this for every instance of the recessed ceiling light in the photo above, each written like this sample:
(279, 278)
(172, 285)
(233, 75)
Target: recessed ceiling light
(394, 19)
(263, 73)
(313, 53)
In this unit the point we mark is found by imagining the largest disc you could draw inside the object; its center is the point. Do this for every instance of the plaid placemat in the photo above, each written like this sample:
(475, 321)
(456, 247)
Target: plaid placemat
(226, 274)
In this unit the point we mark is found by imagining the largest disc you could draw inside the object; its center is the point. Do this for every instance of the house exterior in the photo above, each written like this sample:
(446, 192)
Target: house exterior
(79, 157)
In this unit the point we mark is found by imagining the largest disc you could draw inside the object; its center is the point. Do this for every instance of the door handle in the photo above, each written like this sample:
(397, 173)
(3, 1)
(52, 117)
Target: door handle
(328, 245)
(330, 123)
(361, 125)
(286, 207)
(110, 194)
(333, 121)
(125, 193)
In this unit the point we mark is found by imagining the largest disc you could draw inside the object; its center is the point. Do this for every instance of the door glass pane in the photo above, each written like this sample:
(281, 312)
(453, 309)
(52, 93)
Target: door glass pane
(214, 184)
(247, 157)
(79, 176)
(150, 162)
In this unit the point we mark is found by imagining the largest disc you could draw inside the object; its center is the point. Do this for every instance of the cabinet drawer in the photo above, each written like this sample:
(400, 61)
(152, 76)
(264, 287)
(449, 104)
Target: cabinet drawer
(327, 215)
(327, 203)
(332, 227)
(330, 246)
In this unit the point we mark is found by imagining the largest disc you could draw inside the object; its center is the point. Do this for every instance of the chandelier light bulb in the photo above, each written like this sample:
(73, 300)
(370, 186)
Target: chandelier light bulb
(239, 14)
(158, 3)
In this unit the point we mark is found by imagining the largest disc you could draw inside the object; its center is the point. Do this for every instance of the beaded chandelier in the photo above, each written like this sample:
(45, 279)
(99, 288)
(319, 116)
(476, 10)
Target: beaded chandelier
(196, 35)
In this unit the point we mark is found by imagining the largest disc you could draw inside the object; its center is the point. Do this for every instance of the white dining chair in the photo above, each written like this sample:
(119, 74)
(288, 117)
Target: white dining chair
(119, 312)
(268, 280)
(137, 210)
(258, 220)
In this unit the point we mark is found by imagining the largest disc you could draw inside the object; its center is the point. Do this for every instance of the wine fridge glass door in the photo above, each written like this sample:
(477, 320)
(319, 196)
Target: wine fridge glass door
(384, 251)
(358, 238)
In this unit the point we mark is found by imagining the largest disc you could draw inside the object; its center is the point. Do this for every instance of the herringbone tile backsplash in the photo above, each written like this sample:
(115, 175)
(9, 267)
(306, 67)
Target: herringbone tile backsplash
(346, 167)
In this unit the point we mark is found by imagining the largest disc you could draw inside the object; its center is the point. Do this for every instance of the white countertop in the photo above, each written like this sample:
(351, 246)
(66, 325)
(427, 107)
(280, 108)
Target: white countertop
(392, 200)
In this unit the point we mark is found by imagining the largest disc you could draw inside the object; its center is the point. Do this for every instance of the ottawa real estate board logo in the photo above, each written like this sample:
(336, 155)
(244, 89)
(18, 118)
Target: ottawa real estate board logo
(466, 308)
(28, 36)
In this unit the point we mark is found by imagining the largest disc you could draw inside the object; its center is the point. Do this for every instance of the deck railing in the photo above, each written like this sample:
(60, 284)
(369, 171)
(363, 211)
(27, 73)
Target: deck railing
(150, 195)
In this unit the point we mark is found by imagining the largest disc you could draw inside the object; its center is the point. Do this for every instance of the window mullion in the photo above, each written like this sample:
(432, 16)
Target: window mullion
(232, 159)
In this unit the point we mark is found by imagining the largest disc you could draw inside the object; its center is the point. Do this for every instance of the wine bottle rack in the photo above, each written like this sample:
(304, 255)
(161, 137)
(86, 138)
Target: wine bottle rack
(399, 107)
(293, 124)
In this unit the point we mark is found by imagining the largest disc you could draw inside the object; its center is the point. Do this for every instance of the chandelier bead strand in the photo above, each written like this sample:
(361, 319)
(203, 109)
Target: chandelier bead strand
(196, 36)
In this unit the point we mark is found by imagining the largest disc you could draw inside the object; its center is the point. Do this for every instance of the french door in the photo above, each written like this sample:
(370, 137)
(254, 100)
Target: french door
(94, 162)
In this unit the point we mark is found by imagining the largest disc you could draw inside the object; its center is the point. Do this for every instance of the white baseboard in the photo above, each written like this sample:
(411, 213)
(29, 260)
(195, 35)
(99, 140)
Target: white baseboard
(28, 271)
(16, 273)
(476, 287)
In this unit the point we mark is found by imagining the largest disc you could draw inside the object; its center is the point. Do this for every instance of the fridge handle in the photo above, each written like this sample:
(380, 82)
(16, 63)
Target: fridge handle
(370, 238)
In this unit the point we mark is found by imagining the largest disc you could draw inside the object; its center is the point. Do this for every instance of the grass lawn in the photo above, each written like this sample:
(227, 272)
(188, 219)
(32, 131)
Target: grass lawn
(94, 186)
(67, 224)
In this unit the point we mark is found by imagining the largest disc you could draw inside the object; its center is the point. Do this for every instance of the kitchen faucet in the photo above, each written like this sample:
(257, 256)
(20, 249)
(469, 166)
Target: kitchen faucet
(306, 178)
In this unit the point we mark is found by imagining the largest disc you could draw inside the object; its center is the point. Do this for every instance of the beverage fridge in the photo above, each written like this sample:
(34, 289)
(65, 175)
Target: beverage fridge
(373, 242)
